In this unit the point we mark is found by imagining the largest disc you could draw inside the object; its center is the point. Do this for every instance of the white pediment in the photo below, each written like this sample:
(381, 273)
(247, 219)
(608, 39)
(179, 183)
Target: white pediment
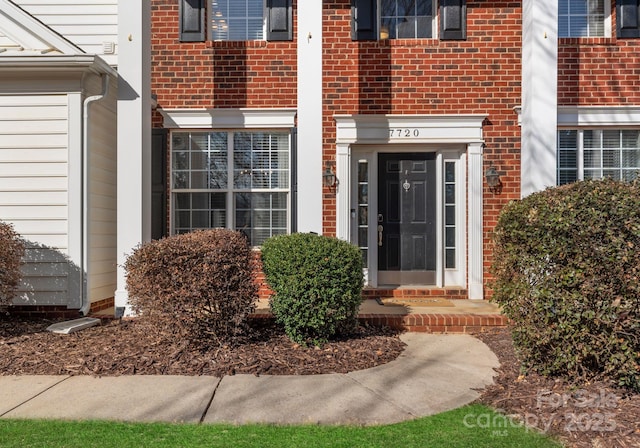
(23, 34)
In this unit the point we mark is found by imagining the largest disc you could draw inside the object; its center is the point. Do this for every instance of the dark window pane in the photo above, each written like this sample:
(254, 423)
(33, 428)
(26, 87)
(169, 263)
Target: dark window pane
(450, 258)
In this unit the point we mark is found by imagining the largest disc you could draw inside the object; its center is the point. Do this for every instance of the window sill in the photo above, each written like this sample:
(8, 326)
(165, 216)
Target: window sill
(423, 42)
(237, 43)
(585, 41)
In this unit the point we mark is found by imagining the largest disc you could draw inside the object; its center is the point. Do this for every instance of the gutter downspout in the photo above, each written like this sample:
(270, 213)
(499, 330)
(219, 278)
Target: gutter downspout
(86, 305)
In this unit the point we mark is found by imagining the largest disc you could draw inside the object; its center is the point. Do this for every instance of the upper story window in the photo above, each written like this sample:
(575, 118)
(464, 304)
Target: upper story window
(408, 19)
(235, 20)
(581, 18)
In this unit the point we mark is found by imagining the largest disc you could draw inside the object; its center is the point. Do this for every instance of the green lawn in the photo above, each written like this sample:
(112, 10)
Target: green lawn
(469, 427)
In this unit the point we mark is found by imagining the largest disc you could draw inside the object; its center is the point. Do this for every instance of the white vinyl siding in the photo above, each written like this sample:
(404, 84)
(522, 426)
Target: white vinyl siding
(88, 24)
(101, 269)
(34, 190)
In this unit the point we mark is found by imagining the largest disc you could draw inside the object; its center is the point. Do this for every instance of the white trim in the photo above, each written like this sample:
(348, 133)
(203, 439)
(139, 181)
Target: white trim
(242, 118)
(594, 116)
(440, 132)
(56, 63)
(134, 136)
(343, 199)
(310, 115)
(376, 129)
(475, 233)
(539, 95)
(457, 275)
(575, 116)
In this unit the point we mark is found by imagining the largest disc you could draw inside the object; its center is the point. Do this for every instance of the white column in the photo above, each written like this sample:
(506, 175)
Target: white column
(475, 231)
(343, 195)
(310, 116)
(539, 94)
(134, 133)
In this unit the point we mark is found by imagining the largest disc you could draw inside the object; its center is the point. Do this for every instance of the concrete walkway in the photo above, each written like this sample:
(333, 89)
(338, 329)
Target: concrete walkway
(435, 373)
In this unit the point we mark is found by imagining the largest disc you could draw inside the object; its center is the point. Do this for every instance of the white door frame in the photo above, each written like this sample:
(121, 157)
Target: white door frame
(397, 133)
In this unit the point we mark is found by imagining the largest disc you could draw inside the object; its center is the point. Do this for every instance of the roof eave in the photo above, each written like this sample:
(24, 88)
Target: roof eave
(51, 63)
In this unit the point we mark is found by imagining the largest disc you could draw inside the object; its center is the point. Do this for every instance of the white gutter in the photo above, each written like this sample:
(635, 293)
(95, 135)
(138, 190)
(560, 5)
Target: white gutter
(55, 62)
(86, 305)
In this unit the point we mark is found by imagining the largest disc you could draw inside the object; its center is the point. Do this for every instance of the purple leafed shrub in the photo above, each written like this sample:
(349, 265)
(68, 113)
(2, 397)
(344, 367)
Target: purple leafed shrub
(198, 285)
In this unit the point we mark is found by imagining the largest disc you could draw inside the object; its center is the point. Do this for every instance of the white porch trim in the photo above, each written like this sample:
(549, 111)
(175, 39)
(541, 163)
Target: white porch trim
(475, 226)
(241, 118)
(134, 135)
(410, 130)
(310, 109)
(539, 94)
(576, 116)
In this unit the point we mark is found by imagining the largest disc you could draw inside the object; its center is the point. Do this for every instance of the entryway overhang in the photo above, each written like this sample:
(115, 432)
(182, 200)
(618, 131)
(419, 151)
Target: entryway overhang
(463, 130)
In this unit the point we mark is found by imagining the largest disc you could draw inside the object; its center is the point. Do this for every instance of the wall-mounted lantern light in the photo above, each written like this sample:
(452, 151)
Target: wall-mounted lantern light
(493, 179)
(329, 179)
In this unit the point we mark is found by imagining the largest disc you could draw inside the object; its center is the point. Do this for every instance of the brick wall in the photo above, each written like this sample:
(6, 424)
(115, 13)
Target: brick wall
(217, 74)
(599, 71)
(427, 76)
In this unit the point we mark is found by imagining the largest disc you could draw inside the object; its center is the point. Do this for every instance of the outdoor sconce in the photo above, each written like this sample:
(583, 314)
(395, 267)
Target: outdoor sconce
(329, 179)
(493, 179)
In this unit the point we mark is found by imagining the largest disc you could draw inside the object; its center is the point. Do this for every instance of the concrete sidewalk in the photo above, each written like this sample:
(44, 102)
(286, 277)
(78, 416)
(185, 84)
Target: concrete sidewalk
(435, 373)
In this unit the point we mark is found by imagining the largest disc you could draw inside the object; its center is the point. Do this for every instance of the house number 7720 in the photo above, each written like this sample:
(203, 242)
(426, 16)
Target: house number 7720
(404, 132)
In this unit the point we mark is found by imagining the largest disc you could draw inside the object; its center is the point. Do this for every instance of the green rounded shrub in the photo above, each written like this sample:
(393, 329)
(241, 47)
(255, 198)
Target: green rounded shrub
(317, 283)
(11, 253)
(567, 273)
(198, 285)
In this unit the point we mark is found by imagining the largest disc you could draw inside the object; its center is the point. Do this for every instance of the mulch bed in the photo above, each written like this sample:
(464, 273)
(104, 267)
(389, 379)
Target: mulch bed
(594, 415)
(589, 415)
(132, 347)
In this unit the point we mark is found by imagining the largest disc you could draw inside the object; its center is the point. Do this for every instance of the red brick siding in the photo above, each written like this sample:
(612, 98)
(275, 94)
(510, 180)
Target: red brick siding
(427, 76)
(218, 74)
(599, 71)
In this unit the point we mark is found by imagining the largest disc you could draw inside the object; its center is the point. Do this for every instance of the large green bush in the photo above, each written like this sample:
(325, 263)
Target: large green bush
(199, 285)
(317, 283)
(567, 273)
(11, 253)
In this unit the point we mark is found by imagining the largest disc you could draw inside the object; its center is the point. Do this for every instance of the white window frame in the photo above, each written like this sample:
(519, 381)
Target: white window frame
(230, 191)
(211, 14)
(606, 22)
(451, 277)
(580, 150)
(242, 119)
(582, 118)
(434, 23)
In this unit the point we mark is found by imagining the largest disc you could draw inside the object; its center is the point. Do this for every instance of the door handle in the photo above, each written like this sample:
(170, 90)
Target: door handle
(380, 229)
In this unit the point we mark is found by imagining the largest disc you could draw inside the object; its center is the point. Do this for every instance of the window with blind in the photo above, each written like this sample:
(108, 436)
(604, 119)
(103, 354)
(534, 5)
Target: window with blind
(598, 153)
(581, 18)
(237, 180)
